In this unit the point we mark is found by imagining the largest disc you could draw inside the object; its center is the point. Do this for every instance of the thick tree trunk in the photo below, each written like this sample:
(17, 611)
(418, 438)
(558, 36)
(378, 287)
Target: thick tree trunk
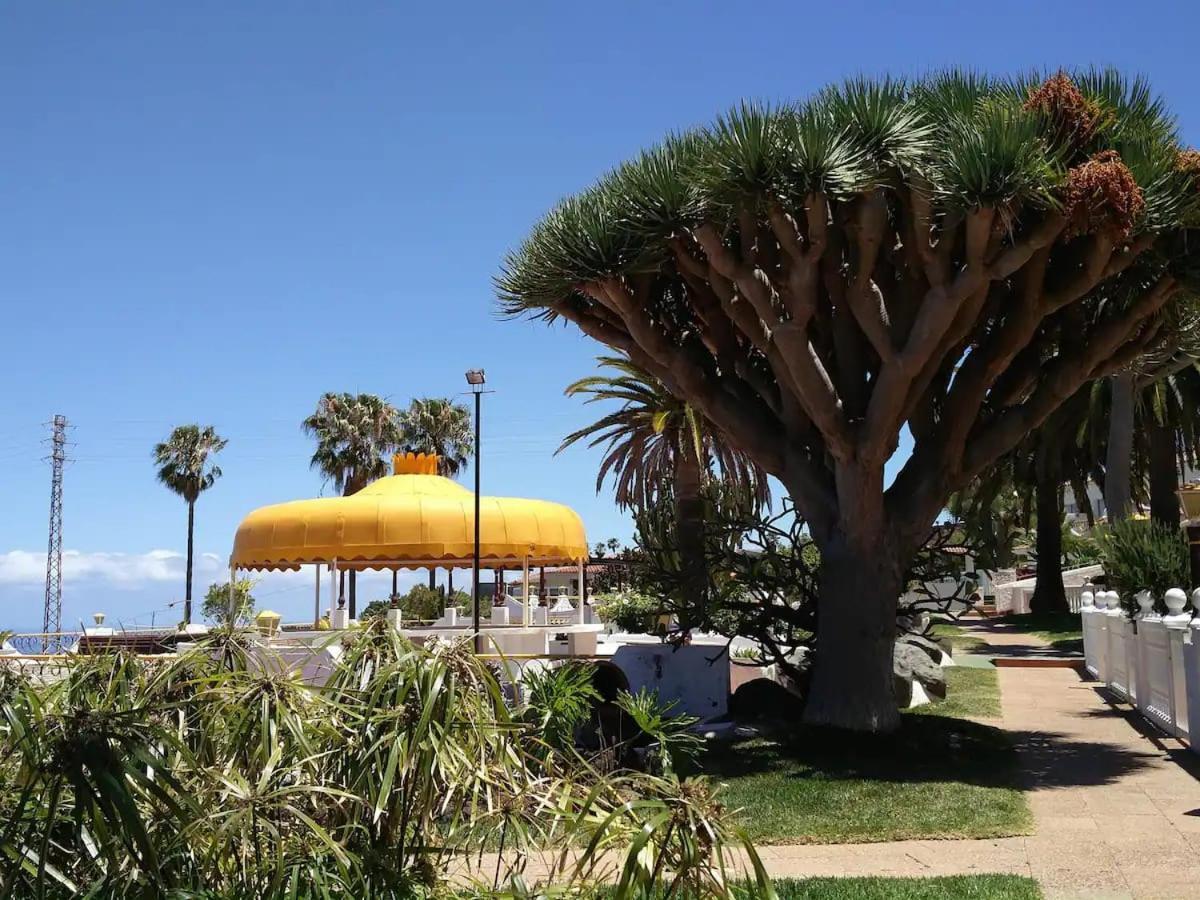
(187, 591)
(860, 582)
(689, 520)
(852, 685)
(1118, 465)
(1083, 502)
(1164, 476)
(1049, 595)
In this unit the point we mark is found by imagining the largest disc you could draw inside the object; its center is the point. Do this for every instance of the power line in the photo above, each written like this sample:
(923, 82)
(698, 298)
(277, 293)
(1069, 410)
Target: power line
(52, 615)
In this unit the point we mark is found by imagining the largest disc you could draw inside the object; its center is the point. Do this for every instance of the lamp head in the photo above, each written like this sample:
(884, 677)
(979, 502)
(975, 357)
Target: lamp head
(475, 377)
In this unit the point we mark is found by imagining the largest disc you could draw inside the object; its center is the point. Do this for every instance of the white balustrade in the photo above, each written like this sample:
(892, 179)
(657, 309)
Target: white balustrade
(1152, 660)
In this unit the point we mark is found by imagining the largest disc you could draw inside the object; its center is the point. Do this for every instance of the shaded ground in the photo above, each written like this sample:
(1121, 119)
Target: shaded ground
(1063, 632)
(1011, 637)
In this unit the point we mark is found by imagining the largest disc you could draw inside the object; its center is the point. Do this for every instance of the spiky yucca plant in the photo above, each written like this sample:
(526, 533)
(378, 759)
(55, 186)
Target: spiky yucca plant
(219, 773)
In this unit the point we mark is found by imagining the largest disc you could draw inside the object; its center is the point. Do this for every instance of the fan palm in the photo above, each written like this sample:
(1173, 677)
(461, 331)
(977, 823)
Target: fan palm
(438, 425)
(657, 444)
(355, 434)
(185, 466)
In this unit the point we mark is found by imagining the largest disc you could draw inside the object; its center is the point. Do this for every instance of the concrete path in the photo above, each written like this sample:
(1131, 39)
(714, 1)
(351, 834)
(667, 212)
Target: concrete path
(1116, 805)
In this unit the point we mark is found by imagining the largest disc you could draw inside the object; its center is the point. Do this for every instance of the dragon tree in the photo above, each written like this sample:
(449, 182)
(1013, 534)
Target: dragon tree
(954, 257)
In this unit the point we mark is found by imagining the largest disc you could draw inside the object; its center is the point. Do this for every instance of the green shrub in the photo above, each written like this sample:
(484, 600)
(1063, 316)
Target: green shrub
(631, 611)
(217, 773)
(1139, 555)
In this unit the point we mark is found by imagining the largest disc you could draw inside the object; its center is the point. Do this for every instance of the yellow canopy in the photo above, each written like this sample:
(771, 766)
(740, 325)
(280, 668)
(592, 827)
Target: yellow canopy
(414, 517)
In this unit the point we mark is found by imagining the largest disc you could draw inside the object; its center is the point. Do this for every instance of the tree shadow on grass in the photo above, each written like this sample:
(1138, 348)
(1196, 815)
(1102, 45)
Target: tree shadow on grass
(929, 749)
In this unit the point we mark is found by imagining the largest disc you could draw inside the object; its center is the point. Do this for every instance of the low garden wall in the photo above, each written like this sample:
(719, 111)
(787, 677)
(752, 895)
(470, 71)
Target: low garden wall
(1152, 660)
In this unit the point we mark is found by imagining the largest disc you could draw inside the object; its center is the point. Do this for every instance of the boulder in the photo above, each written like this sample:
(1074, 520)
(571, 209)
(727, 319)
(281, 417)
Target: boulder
(926, 644)
(911, 663)
(765, 699)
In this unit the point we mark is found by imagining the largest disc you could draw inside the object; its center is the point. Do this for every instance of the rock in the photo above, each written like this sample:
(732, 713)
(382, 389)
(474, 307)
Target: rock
(926, 644)
(912, 663)
(764, 699)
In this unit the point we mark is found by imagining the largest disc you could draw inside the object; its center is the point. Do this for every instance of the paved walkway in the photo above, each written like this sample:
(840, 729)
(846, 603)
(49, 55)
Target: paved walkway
(1116, 805)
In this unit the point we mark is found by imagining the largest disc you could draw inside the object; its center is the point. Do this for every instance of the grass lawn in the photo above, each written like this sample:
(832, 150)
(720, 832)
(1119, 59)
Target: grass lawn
(959, 640)
(937, 777)
(970, 694)
(1063, 631)
(958, 887)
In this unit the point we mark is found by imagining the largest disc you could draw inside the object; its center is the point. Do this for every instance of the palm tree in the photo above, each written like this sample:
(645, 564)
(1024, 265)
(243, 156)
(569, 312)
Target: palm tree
(185, 466)
(355, 435)
(655, 441)
(438, 425)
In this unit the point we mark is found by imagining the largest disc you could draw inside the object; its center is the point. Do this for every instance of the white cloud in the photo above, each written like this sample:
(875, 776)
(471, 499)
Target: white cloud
(24, 567)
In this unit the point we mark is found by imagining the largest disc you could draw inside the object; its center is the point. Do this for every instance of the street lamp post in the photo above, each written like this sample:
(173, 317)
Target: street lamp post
(476, 380)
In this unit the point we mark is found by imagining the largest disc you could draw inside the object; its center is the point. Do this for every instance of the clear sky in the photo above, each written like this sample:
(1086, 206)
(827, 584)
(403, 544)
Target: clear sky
(214, 212)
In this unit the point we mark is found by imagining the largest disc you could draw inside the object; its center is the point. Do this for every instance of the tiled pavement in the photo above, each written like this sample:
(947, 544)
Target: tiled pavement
(1116, 805)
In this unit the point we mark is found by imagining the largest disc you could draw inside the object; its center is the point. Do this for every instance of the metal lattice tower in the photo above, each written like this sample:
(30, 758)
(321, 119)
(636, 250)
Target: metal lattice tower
(52, 619)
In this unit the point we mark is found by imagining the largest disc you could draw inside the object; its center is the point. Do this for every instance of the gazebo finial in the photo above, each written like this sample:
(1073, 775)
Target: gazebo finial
(415, 464)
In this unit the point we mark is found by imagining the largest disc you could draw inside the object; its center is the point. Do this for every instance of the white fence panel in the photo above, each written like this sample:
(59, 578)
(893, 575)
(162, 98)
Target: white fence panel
(1179, 693)
(1122, 655)
(1095, 635)
(1156, 678)
(1191, 667)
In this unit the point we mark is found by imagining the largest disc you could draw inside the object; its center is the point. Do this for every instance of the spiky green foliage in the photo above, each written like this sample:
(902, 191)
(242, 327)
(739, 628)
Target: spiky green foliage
(1138, 555)
(219, 773)
(968, 136)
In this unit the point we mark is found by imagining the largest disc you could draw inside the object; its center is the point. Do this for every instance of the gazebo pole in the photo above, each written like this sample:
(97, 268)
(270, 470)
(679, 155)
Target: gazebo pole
(333, 584)
(317, 597)
(232, 594)
(582, 587)
(542, 583)
(395, 588)
(525, 592)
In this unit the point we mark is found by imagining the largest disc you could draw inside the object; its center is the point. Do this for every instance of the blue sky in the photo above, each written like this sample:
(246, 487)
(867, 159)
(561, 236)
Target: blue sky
(214, 212)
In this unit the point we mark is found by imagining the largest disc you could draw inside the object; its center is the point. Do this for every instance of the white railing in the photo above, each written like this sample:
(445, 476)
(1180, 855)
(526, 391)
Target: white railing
(1151, 660)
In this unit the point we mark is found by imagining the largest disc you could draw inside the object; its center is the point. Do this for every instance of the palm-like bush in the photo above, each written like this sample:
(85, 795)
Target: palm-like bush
(218, 773)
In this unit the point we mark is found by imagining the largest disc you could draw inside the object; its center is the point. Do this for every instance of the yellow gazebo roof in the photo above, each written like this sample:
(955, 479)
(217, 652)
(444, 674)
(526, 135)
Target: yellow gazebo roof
(414, 517)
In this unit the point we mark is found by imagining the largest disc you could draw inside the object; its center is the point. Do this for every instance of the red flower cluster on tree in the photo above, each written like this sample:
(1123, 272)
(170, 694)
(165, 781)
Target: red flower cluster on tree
(1102, 194)
(1189, 164)
(1073, 116)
